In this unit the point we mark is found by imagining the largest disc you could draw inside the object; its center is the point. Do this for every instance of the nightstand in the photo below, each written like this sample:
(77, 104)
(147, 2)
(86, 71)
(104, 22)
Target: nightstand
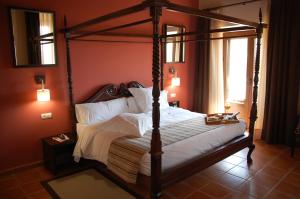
(174, 103)
(58, 155)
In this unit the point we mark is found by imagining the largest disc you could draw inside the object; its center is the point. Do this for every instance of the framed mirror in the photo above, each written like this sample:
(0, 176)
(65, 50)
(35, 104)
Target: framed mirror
(174, 48)
(33, 37)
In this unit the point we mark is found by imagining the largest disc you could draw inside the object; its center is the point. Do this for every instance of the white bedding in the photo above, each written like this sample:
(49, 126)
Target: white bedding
(94, 140)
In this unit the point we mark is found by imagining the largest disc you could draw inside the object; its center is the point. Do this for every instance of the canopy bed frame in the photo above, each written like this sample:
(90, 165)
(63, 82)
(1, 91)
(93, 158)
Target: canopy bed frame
(159, 179)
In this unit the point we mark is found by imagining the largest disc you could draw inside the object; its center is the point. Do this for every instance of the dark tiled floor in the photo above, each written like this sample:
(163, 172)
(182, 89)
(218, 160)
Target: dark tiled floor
(273, 175)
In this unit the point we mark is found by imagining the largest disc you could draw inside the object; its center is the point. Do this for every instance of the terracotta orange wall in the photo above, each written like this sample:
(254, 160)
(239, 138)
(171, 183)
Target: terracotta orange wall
(94, 64)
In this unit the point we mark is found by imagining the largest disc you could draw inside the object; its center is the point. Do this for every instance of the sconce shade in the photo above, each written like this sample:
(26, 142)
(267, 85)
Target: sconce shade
(43, 95)
(175, 81)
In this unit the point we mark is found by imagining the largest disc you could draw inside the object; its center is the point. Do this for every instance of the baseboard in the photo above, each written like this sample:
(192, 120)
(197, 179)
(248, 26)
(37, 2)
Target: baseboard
(21, 168)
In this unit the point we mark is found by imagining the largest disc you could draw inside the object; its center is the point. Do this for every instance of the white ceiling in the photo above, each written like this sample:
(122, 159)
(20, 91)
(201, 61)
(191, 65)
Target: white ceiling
(203, 4)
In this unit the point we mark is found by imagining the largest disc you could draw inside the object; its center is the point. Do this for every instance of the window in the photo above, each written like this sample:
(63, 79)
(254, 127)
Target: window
(237, 70)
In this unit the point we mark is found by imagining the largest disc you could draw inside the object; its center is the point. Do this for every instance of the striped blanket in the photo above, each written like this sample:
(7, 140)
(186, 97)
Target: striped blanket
(125, 154)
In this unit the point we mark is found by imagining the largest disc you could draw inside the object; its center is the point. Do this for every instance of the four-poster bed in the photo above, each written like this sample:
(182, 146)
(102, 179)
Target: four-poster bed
(159, 179)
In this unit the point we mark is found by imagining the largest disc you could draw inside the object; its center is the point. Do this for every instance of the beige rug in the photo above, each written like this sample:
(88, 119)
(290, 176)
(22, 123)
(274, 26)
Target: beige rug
(88, 184)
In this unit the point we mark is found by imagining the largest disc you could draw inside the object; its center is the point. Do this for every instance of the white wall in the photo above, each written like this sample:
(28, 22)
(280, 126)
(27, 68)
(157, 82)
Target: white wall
(248, 11)
(203, 4)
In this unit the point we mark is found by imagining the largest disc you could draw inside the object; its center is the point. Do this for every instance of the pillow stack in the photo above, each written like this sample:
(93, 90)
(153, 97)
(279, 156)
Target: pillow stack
(144, 99)
(93, 112)
(141, 102)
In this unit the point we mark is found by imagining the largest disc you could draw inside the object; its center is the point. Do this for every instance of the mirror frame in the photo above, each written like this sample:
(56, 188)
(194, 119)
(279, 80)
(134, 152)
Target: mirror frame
(164, 32)
(9, 8)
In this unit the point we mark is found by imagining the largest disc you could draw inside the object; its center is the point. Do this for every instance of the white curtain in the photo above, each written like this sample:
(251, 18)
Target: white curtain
(216, 75)
(46, 26)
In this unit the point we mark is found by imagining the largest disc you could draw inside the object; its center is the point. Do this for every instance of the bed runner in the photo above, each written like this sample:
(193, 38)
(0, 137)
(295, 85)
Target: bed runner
(125, 154)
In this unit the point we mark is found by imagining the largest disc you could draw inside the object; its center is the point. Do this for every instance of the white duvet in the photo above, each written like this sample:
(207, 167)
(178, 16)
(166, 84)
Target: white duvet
(94, 140)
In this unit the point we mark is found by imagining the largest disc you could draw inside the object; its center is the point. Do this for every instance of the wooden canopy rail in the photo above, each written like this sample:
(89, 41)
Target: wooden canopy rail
(109, 34)
(209, 15)
(234, 29)
(107, 17)
(209, 39)
(112, 41)
(159, 180)
(163, 42)
(112, 28)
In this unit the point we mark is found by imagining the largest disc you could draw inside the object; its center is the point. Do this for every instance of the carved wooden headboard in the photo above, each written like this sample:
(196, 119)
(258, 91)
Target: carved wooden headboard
(105, 93)
(111, 91)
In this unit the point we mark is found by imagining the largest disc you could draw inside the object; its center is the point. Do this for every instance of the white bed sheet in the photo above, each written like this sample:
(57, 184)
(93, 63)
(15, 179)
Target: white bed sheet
(94, 145)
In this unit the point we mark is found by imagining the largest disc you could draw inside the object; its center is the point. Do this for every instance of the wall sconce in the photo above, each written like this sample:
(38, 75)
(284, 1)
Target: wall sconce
(175, 79)
(43, 95)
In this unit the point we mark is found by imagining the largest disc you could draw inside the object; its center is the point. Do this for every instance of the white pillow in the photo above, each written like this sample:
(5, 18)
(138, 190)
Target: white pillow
(132, 105)
(163, 99)
(93, 112)
(129, 124)
(144, 100)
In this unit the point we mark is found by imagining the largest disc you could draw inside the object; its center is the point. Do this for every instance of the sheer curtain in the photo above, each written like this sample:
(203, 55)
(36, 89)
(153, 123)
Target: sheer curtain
(216, 74)
(46, 27)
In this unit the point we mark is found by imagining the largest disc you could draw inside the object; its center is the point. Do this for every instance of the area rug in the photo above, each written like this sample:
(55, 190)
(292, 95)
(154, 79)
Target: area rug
(88, 184)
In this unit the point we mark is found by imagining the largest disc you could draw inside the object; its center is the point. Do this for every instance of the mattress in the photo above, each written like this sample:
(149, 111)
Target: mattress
(94, 144)
(180, 152)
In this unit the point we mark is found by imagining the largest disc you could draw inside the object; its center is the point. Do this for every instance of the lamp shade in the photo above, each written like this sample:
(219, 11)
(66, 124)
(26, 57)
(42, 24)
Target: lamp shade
(175, 81)
(43, 95)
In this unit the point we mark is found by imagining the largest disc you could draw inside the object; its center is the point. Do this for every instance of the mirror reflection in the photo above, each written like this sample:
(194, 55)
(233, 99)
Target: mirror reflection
(174, 47)
(33, 37)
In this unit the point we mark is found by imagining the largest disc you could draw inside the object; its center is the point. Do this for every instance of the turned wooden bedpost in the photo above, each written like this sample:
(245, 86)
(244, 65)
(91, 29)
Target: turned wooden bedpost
(162, 61)
(253, 113)
(70, 81)
(156, 151)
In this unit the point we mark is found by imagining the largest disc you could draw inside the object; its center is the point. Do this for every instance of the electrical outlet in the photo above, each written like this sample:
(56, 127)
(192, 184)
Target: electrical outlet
(46, 116)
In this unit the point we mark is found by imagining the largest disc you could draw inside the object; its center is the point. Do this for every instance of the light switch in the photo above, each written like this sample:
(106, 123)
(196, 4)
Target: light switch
(46, 116)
